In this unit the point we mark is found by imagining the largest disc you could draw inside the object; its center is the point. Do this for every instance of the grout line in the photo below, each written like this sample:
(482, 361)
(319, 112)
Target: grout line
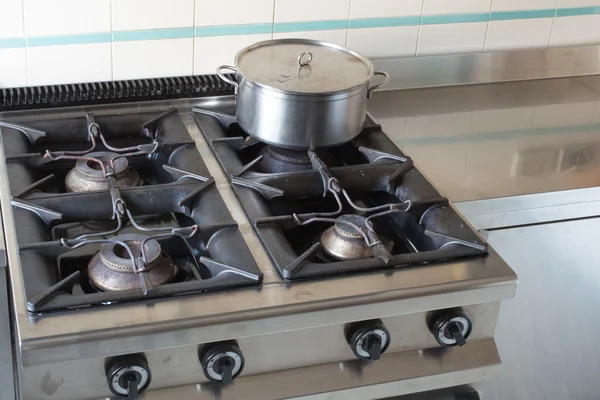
(348, 21)
(419, 31)
(112, 49)
(26, 49)
(552, 26)
(273, 20)
(194, 39)
(487, 27)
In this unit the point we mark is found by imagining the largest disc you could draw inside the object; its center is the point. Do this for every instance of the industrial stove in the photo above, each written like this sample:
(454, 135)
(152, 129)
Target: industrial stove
(157, 250)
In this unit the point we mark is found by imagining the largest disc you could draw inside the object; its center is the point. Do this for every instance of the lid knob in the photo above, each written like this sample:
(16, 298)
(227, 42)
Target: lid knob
(304, 61)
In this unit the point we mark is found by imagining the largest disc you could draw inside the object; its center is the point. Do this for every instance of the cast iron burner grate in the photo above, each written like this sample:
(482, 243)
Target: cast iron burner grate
(406, 222)
(177, 209)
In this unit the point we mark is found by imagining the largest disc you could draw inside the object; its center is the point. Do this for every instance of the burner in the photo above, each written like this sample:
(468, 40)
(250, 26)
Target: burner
(112, 268)
(277, 159)
(88, 175)
(344, 241)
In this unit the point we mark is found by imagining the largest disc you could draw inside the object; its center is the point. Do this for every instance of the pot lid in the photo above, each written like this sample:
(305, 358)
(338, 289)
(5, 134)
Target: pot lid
(303, 66)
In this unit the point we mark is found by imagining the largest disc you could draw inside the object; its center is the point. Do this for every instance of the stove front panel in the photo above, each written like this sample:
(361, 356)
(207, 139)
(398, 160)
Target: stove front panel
(410, 339)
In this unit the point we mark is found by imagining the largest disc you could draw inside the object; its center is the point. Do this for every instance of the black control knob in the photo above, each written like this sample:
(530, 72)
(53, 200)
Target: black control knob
(128, 376)
(368, 340)
(451, 328)
(222, 362)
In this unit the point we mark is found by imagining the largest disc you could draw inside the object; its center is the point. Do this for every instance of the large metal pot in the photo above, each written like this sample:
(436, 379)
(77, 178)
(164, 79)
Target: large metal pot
(300, 93)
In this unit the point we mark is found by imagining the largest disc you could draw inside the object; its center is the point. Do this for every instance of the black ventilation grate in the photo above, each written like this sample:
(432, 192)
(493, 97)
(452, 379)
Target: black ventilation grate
(79, 94)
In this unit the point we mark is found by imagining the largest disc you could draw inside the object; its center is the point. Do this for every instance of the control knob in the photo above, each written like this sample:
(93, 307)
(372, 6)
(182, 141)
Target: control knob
(368, 339)
(222, 362)
(128, 376)
(451, 328)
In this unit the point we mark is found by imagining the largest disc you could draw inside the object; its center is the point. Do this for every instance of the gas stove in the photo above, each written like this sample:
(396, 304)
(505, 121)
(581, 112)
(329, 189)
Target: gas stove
(154, 247)
(116, 208)
(362, 206)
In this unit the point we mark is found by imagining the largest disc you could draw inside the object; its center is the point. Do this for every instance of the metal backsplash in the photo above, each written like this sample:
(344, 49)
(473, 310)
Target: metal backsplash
(463, 69)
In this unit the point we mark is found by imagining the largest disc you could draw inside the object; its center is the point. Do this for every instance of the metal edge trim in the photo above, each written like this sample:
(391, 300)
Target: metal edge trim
(501, 66)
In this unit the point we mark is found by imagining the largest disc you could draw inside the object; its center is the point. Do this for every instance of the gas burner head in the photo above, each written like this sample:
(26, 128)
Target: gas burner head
(88, 176)
(112, 269)
(344, 240)
(277, 159)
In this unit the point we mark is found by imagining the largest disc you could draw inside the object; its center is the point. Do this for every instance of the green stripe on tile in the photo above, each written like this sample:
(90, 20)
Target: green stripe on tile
(384, 22)
(575, 11)
(226, 30)
(153, 34)
(12, 43)
(62, 40)
(282, 27)
(454, 18)
(522, 14)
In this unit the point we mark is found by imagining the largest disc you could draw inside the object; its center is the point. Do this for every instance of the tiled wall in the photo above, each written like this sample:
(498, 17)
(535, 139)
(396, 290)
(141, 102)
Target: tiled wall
(67, 41)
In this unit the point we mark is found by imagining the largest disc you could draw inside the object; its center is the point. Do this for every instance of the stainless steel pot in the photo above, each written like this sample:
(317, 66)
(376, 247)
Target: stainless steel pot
(300, 93)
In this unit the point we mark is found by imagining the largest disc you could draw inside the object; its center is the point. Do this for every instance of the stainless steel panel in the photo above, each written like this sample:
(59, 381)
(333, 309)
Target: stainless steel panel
(531, 209)
(515, 65)
(266, 353)
(548, 335)
(7, 378)
(3, 261)
(394, 374)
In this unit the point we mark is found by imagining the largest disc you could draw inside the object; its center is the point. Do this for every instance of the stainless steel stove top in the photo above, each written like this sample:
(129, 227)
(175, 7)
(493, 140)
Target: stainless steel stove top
(284, 329)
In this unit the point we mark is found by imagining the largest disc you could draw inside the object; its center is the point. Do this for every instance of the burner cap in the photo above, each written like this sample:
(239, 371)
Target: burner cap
(112, 268)
(344, 240)
(88, 175)
(351, 225)
(277, 159)
(93, 170)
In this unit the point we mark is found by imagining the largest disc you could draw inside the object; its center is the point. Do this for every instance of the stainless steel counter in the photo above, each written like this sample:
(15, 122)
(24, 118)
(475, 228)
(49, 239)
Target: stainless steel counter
(532, 146)
(512, 154)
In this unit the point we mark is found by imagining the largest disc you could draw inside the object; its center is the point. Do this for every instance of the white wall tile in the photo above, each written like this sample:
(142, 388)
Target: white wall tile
(151, 14)
(130, 59)
(518, 34)
(209, 12)
(509, 5)
(384, 8)
(384, 42)
(433, 7)
(63, 17)
(577, 30)
(11, 18)
(13, 68)
(334, 36)
(578, 3)
(69, 64)
(451, 38)
(210, 52)
(311, 10)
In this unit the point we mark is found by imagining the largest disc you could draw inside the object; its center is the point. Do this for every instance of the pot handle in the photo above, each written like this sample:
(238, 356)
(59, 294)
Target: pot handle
(226, 79)
(385, 80)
